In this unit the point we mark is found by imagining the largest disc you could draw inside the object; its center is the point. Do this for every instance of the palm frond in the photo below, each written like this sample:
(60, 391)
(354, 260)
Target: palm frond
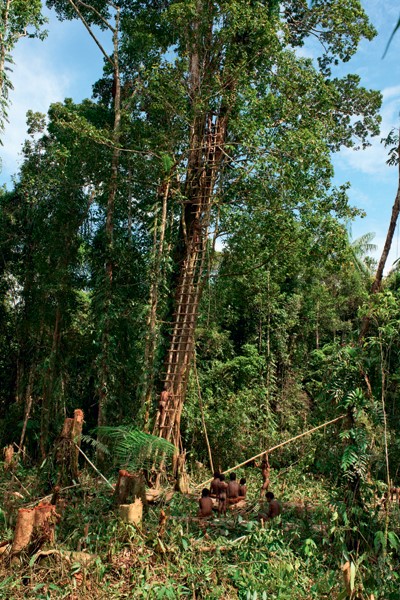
(133, 449)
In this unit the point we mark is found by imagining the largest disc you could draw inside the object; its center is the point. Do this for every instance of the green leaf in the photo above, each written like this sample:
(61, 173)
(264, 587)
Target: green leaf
(394, 540)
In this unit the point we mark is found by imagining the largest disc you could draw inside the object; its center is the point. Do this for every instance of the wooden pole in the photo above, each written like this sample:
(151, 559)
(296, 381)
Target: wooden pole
(93, 466)
(275, 448)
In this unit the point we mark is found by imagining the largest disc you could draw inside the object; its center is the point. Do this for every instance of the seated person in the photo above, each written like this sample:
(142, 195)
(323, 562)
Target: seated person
(214, 487)
(222, 493)
(206, 504)
(242, 488)
(233, 489)
(273, 509)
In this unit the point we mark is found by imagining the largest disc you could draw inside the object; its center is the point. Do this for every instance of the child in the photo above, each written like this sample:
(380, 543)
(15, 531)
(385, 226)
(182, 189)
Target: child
(242, 488)
(206, 504)
(274, 508)
(222, 492)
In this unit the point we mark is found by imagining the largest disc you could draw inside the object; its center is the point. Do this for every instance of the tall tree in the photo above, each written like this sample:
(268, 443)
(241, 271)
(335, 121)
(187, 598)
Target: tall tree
(251, 106)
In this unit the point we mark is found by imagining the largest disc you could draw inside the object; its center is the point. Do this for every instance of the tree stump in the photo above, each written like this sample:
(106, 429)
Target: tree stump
(35, 528)
(129, 487)
(182, 479)
(23, 530)
(68, 449)
(132, 513)
(9, 459)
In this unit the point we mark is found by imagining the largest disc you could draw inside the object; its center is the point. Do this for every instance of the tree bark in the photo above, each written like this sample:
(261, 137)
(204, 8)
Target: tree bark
(3, 48)
(48, 385)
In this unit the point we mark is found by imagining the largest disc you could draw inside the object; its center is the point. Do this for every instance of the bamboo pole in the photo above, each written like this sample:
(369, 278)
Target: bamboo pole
(275, 448)
(93, 466)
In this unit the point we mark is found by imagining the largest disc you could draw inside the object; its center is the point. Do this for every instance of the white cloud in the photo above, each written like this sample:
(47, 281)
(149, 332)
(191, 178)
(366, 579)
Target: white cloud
(65, 64)
(372, 161)
(391, 92)
(36, 86)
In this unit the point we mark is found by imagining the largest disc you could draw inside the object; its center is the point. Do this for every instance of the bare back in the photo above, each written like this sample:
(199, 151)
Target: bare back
(233, 489)
(206, 507)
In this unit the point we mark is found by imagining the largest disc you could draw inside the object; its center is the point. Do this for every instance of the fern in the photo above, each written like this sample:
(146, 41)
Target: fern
(133, 449)
(88, 439)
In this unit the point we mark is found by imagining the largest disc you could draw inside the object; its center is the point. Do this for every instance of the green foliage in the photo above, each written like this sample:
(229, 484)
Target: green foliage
(134, 449)
(18, 19)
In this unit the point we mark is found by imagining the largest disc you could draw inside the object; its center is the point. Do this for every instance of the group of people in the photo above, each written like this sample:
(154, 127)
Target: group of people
(225, 493)
(232, 492)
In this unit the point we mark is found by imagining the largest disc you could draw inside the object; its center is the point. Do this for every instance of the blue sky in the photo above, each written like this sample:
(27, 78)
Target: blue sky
(68, 62)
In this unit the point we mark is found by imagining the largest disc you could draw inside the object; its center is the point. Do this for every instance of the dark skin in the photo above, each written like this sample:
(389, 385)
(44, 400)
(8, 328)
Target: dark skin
(214, 487)
(162, 403)
(243, 490)
(233, 490)
(205, 507)
(273, 509)
(223, 487)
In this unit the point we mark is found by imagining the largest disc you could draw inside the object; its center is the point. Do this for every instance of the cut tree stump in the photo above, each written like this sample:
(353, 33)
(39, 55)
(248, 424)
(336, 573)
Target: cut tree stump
(68, 449)
(129, 487)
(132, 513)
(9, 459)
(182, 478)
(35, 528)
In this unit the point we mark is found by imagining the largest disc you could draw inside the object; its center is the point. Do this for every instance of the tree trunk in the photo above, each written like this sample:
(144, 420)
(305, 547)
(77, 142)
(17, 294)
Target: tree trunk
(48, 385)
(3, 49)
(376, 286)
(103, 388)
(200, 184)
(206, 154)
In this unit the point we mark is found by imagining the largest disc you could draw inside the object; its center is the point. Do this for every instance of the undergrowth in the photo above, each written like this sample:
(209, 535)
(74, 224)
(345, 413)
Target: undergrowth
(298, 556)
